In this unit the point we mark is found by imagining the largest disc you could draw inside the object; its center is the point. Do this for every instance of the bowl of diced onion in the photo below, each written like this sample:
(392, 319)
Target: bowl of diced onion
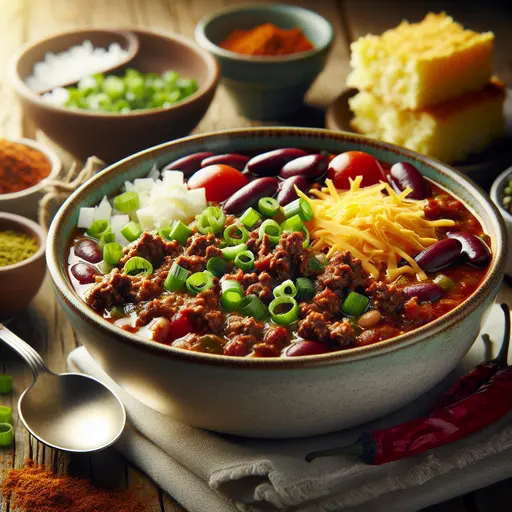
(161, 94)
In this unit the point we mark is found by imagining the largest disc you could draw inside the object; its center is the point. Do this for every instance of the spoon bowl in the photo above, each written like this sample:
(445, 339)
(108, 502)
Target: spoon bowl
(71, 412)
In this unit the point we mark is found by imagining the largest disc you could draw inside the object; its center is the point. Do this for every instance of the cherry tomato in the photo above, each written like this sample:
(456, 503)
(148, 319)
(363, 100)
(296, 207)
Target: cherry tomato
(355, 163)
(181, 325)
(219, 181)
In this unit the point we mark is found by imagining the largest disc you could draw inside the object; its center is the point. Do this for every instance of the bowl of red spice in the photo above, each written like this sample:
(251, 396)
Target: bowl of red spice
(22, 262)
(269, 55)
(25, 166)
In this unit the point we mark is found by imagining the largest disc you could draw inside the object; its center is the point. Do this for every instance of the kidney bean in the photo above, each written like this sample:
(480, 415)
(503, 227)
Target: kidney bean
(426, 292)
(188, 164)
(88, 250)
(403, 175)
(271, 162)
(439, 255)
(309, 166)
(84, 273)
(306, 348)
(474, 249)
(250, 195)
(370, 318)
(287, 192)
(232, 159)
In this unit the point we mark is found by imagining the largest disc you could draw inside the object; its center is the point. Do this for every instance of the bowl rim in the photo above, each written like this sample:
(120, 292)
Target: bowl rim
(67, 295)
(33, 226)
(495, 189)
(22, 89)
(208, 44)
(52, 157)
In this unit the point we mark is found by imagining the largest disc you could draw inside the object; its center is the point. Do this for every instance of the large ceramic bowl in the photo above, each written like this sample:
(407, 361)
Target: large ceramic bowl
(277, 397)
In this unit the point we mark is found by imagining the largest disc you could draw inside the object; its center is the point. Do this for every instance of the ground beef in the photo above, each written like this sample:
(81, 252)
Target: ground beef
(198, 244)
(254, 242)
(385, 297)
(263, 287)
(204, 310)
(153, 248)
(292, 243)
(246, 325)
(208, 343)
(115, 289)
(239, 346)
(343, 273)
(192, 263)
(166, 306)
(326, 302)
(317, 327)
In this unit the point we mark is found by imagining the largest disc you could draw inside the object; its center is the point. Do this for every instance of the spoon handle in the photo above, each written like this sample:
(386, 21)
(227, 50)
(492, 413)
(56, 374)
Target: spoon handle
(31, 357)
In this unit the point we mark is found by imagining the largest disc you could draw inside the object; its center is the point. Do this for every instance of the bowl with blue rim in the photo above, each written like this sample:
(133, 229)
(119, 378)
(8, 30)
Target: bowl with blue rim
(267, 87)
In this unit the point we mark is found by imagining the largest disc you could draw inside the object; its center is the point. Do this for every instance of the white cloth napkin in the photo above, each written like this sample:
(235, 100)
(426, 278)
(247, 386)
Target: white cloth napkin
(208, 472)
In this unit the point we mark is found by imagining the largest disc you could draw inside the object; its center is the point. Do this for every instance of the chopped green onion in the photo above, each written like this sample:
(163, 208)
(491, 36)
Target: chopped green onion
(315, 265)
(114, 87)
(293, 224)
(251, 305)
(285, 288)
(355, 304)
(131, 231)
(107, 238)
(6, 434)
(284, 310)
(115, 312)
(199, 282)
(211, 220)
(138, 266)
(176, 278)
(250, 218)
(223, 244)
(272, 229)
(268, 206)
(444, 282)
(306, 237)
(98, 228)
(236, 234)
(127, 202)
(178, 231)
(231, 251)
(305, 289)
(299, 207)
(217, 266)
(245, 260)
(232, 294)
(5, 414)
(112, 253)
(5, 384)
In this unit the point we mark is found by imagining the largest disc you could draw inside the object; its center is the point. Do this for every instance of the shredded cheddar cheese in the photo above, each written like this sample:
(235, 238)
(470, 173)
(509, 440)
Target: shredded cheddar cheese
(377, 225)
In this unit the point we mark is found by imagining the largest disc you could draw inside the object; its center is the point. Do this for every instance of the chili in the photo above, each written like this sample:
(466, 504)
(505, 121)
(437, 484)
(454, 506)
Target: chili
(477, 400)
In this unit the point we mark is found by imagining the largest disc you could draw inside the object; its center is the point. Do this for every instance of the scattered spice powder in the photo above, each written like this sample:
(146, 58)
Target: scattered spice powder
(34, 489)
(267, 39)
(21, 166)
(16, 247)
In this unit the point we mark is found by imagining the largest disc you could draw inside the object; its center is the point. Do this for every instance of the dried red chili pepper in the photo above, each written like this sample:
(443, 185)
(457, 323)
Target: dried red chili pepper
(446, 424)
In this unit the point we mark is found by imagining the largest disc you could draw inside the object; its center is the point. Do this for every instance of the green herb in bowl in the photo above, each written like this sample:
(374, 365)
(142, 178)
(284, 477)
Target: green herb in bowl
(123, 94)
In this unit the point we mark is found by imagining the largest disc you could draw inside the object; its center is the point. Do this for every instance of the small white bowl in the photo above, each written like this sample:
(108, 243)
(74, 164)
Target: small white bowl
(497, 188)
(26, 202)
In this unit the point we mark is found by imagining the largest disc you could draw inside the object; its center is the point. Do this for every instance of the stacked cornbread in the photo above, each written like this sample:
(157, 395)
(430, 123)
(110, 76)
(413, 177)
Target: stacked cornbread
(428, 86)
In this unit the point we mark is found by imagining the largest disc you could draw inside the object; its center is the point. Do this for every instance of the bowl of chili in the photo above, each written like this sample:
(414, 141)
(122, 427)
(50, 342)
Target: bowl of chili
(240, 354)
(25, 165)
(22, 262)
(269, 55)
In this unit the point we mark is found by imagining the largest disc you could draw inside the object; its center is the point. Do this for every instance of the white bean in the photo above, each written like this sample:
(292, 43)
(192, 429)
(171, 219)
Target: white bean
(369, 319)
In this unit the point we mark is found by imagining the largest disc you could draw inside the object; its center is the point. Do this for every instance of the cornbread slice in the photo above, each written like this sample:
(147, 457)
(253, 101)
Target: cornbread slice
(450, 131)
(421, 64)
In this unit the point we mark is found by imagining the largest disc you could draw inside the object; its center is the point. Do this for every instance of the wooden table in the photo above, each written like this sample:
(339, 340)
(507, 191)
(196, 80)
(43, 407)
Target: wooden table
(44, 324)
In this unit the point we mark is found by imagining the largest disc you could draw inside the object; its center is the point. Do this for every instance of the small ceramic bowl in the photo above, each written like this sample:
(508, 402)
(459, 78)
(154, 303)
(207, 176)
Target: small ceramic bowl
(20, 282)
(264, 87)
(113, 136)
(26, 202)
(498, 186)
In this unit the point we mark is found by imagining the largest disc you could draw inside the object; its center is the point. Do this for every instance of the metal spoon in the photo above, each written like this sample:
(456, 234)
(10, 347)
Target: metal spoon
(70, 411)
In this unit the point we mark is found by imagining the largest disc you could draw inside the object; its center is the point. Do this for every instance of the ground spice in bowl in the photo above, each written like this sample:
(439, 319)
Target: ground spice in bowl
(267, 39)
(33, 488)
(16, 247)
(21, 166)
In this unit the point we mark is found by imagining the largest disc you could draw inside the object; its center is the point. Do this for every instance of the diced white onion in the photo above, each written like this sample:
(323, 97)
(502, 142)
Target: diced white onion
(171, 178)
(103, 211)
(86, 218)
(129, 187)
(197, 200)
(154, 173)
(142, 184)
(118, 222)
(146, 218)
